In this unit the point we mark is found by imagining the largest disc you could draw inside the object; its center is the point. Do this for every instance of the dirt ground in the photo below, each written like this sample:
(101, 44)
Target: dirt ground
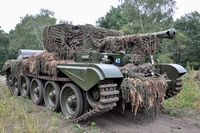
(116, 122)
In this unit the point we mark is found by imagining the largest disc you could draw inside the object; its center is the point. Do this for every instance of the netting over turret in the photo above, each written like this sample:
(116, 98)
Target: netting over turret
(66, 40)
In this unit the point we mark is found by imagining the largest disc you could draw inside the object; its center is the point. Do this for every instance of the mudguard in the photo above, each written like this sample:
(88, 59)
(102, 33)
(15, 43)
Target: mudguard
(173, 71)
(87, 75)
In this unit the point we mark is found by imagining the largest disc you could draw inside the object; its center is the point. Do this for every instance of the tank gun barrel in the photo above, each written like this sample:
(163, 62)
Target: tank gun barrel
(166, 34)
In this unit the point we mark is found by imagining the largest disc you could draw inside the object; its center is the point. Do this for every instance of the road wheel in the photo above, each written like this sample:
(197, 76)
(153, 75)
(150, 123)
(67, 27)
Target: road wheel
(25, 86)
(51, 96)
(71, 101)
(36, 91)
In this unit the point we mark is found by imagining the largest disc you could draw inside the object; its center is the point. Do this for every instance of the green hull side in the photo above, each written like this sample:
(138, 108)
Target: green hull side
(87, 75)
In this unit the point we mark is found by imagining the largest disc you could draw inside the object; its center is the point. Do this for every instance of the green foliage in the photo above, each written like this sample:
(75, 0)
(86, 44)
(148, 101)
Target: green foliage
(188, 67)
(77, 128)
(189, 26)
(13, 114)
(4, 44)
(28, 33)
(165, 58)
(144, 16)
(93, 124)
(195, 65)
(113, 19)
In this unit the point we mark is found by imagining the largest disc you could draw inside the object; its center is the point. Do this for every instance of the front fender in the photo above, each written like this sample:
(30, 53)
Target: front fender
(173, 71)
(87, 75)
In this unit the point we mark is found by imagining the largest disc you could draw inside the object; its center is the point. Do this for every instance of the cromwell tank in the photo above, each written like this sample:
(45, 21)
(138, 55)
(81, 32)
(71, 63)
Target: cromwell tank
(86, 71)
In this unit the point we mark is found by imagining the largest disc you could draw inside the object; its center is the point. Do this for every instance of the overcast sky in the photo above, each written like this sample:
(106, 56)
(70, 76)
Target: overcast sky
(77, 11)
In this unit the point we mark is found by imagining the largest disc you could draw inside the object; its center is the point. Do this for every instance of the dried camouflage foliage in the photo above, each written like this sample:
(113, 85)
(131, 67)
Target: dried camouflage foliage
(15, 67)
(143, 92)
(137, 69)
(39, 63)
(43, 62)
(66, 40)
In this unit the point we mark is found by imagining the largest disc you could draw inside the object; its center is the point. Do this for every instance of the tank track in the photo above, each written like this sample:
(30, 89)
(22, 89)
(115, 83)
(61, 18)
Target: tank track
(8, 84)
(108, 97)
(175, 90)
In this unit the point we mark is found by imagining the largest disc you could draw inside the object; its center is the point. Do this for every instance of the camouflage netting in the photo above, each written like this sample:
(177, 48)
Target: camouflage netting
(66, 40)
(143, 92)
(44, 63)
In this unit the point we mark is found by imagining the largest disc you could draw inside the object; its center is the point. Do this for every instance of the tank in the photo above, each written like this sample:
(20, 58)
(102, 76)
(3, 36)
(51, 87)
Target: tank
(86, 71)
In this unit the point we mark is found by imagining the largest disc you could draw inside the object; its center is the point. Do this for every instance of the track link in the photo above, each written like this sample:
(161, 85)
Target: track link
(175, 90)
(8, 82)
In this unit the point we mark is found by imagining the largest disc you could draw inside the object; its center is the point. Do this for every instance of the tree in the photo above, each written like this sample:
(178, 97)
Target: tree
(189, 25)
(28, 33)
(4, 44)
(113, 19)
(145, 15)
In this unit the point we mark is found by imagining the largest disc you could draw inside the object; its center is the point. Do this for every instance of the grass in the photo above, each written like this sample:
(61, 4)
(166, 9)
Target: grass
(188, 98)
(14, 114)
